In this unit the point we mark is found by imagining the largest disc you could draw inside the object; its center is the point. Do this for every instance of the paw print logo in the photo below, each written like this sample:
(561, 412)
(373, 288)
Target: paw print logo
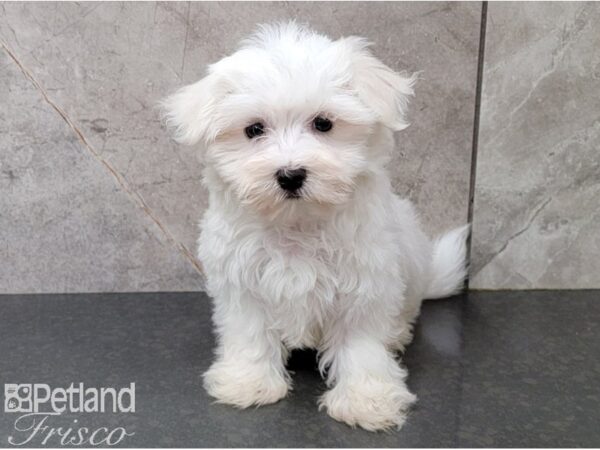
(17, 398)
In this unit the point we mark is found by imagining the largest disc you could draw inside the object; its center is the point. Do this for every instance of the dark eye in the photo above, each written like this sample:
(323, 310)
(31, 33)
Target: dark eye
(256, 129)
(322, 124)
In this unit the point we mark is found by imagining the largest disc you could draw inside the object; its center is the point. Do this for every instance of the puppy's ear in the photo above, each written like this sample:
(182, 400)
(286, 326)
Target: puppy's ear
(378, 86)
(190, 110)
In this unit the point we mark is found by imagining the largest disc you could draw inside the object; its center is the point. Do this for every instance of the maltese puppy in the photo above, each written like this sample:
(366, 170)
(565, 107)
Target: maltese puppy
(304, 243)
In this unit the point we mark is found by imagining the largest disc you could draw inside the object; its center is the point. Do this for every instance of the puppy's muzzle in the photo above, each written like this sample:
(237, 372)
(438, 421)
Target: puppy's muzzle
(291, 180)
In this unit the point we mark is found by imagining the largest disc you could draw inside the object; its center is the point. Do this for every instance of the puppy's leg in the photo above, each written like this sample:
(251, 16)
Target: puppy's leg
(368, 383)
(410, 313)
(249, 369)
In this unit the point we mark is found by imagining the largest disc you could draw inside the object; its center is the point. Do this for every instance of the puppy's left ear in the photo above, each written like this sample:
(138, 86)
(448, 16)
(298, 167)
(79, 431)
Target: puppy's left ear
(378, 86)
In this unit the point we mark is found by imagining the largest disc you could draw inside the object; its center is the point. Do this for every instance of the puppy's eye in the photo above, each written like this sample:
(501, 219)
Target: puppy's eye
(256, 129)
(322, 124)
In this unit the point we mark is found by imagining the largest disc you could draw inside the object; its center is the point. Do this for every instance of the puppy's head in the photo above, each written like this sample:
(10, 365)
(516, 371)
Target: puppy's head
(291, 118)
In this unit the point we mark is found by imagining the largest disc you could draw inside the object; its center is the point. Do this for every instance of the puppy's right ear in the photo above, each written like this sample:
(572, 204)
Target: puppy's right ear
(189, 112)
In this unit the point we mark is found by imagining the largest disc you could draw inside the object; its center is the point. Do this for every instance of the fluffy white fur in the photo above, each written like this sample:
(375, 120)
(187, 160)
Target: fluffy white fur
(344, 267)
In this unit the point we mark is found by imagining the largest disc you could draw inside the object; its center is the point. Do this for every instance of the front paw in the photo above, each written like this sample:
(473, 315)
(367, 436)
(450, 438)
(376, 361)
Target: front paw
(245, 384)
(372, 404)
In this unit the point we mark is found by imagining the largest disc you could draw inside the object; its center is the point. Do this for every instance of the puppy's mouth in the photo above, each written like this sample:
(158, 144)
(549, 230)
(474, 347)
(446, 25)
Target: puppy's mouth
(294, 195)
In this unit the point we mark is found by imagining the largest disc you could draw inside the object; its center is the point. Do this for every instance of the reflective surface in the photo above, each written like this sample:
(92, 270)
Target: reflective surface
(491, 369)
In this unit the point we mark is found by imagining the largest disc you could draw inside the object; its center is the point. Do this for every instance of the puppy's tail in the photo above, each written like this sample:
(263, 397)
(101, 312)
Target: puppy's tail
(449, 263)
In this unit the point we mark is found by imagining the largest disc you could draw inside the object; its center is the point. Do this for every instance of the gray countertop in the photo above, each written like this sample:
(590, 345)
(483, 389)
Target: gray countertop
(495, 369)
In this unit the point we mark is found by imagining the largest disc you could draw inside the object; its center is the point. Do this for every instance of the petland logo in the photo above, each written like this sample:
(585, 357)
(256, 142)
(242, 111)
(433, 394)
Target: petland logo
(40, 406)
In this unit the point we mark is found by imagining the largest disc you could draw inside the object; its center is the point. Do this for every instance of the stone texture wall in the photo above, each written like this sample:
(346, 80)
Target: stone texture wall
(536, 219)
(95, 197)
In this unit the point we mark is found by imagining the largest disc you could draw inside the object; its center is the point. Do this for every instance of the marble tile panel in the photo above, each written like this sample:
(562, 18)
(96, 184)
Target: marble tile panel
(537, 209)
(107, 65)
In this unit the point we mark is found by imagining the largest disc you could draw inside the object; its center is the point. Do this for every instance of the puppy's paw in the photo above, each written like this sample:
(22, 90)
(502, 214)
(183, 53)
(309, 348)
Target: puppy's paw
(372, 404)
(404, 338)
(244, 385)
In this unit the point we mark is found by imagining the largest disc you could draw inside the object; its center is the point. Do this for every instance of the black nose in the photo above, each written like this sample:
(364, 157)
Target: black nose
(291, 180)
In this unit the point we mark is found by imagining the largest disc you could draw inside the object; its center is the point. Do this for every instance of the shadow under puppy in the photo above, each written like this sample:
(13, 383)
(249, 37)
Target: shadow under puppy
(304, 243)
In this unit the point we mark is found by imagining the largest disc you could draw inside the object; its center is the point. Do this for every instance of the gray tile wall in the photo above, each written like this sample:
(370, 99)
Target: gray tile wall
(95, 197)
(99, 198)
(536, 220)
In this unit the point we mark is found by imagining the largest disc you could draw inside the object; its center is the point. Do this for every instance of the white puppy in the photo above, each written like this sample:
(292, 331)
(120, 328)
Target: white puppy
(304, 243)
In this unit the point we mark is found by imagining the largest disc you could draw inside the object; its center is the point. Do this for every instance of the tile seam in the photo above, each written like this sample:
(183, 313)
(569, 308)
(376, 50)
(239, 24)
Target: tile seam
(120, 179)
(474, 149)
(476, 121)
